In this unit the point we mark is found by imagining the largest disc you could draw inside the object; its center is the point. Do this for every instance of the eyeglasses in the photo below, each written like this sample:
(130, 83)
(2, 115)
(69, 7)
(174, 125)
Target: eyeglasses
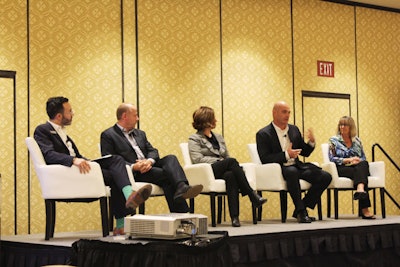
(343, 124)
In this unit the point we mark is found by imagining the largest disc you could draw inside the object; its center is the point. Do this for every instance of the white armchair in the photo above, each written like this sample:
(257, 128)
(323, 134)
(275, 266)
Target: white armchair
(67, 184)
(156, 190)
(376, 180)
(203, 174)
(269, 178)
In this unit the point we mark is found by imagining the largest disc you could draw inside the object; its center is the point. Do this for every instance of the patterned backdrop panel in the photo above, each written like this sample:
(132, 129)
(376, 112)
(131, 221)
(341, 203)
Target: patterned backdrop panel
(256, 67)
(323, 31)
(378, 87)
(179, 70)
(256, 64)
(13, 57)
(75, 51)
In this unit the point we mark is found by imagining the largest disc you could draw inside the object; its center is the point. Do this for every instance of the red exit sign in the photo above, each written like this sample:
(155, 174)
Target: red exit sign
(325, 69)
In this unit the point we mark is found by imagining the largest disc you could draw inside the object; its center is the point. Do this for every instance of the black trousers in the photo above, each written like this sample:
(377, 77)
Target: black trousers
(359, 174)
(167, 173)
(318, 179)
(115, 175)
(235, 181)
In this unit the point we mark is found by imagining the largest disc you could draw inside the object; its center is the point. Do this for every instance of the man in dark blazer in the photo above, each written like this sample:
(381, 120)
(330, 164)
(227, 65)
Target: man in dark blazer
(280, 142)
(125, 140)
(58, 148)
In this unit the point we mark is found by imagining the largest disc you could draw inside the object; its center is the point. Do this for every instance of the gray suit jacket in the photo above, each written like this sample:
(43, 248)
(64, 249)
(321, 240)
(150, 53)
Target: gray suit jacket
(202, 151)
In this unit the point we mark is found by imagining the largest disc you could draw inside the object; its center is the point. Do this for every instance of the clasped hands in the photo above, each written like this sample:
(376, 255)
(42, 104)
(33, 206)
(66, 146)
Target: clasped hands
(142, 165)
(352, 161)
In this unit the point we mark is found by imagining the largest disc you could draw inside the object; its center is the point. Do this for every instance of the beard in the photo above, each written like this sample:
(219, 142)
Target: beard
(66, 121)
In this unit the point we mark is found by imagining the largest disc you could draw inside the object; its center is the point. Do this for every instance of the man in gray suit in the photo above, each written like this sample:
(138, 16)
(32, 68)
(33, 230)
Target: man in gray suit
(125, 140)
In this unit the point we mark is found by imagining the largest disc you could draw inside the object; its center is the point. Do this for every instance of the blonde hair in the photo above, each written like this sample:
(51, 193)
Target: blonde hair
(347, 120)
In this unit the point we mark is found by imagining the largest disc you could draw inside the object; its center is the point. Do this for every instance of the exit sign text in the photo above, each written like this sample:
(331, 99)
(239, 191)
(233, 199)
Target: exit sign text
(325, 69)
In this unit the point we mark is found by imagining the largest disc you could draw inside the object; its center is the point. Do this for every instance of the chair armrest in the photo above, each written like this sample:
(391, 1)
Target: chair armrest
(377, 168)
(331, 168)
(250, 171)
(61, 182)
(269, 177)
(200, 173)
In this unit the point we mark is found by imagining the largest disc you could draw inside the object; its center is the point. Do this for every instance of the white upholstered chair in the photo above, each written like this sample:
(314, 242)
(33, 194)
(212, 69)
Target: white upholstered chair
(59, 183)
(156, 190)
(202, 173)
(269, 178)
(375, 180)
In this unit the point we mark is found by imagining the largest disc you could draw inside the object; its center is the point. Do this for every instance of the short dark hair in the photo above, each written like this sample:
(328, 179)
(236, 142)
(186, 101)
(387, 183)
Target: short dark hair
(54, 105)
(203, 117)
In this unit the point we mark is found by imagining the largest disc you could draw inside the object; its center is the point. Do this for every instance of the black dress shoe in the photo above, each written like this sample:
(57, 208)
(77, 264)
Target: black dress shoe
(256, 200)
(360, 195)
(302, 217)
(313, 219)
(186, 191)
(235, 222)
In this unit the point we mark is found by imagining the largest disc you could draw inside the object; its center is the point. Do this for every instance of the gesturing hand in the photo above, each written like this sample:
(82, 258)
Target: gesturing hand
(293, 153)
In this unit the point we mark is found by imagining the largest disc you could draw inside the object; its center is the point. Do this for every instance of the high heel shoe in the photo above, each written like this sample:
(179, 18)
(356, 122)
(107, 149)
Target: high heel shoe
(371, 217)
(235, 222)
(257, 200)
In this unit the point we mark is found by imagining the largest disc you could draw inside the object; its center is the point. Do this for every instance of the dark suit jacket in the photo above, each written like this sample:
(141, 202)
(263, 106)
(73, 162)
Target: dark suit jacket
(53, 148)
(270, 150)
(114, 142)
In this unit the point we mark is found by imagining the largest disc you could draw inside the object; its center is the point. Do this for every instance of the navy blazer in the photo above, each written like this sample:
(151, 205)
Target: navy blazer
(270, 150)
(114, 142)
(53, 148)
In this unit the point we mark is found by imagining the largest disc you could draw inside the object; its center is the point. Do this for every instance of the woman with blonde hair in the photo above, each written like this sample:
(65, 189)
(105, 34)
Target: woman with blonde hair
(346, 151)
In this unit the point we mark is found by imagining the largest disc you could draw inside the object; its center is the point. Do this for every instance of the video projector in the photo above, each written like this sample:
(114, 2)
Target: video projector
(166, 226)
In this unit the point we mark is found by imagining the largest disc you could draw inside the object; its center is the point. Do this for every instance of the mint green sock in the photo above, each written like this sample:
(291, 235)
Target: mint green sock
(120, 223)
(127, 191)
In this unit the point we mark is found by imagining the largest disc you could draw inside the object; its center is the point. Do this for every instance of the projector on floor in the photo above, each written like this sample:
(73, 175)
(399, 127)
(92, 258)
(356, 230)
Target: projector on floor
(166, 226)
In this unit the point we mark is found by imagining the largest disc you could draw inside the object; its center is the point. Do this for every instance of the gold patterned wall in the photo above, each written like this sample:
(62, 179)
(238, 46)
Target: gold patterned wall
(378, 39)
(237, 56)
(256, 58)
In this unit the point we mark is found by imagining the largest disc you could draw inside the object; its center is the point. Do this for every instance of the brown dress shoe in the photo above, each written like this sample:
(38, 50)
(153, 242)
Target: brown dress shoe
(118, 231)
(138, 197)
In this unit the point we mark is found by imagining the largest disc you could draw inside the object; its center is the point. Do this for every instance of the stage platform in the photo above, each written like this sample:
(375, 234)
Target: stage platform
(349, 241)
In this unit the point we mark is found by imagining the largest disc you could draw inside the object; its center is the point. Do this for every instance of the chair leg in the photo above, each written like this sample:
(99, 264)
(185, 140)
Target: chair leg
(336, 200)
(382, 194)
(328, 199)
(259, 210)
(374, 199)
(49, 218)
(283, 198)
(219, 214)
(319, 207)
(254, 213)
(104, 216)
(141, 208)
(191, 205)
(110, 215)
(212, 203)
